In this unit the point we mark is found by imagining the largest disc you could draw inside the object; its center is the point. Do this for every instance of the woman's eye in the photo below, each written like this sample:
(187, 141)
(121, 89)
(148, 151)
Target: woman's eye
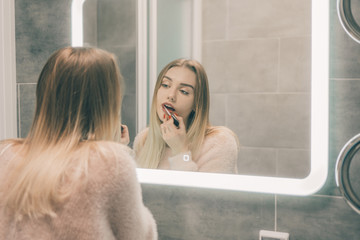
(164, 85)
(184, 92)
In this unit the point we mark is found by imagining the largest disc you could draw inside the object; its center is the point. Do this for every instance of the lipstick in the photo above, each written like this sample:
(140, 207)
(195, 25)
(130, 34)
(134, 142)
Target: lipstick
(176, 121)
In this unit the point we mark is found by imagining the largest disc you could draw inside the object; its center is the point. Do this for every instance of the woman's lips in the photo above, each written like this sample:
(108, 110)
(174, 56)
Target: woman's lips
(169, 111)
(168, 106)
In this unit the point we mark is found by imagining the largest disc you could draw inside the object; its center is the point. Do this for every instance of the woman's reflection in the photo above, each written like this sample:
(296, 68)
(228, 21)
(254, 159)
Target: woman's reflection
(179, 136)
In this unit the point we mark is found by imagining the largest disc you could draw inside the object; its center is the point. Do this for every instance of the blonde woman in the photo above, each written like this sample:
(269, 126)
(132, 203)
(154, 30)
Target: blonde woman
(179, 136)
(69, 178)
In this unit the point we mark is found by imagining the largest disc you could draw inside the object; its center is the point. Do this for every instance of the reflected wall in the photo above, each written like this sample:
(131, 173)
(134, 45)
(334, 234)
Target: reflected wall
(111, 25)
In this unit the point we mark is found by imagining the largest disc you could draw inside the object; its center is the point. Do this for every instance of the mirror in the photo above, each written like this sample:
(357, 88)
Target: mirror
(345, 175)
(258, 58)
(348, 19)
(303, 185)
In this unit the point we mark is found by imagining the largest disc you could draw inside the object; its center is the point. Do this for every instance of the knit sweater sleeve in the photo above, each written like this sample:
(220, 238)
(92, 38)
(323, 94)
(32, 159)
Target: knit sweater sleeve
(129, 218)
(218, 154)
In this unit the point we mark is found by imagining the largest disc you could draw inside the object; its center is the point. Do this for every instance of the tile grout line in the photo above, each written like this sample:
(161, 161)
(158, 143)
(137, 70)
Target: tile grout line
(227, 20)
(275, 215)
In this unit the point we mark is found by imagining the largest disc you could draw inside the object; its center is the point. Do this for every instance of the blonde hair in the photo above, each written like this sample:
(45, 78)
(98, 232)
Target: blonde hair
(78, 98)
(198, 125)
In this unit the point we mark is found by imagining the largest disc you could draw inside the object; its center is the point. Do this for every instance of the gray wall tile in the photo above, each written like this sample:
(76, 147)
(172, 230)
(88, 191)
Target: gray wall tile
(317, 218)
(295, 64)
(218, 109)
(257, 161)
(263, 50)
(271, 120)
(241, 66)
(215, 16)
(39, 33)
(117, 23)
(269, 18)
(26, 107)
(293, 163)
(187, 213)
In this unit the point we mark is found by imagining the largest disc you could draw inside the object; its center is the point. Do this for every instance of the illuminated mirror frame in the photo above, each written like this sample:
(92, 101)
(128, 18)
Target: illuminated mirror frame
(8, 117)
(319, 112)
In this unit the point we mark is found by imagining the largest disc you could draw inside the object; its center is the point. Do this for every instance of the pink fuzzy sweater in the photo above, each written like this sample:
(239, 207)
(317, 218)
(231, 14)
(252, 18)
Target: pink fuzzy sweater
(217, 154)
(108, 207)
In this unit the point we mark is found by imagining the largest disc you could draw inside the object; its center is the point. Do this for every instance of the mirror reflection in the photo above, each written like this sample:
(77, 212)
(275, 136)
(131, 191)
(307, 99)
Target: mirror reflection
(179, 136)
(257, 58)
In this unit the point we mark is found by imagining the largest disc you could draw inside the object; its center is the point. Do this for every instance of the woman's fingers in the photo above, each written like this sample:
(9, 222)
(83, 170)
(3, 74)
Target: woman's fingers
(181, 122)
(174, 136)
(125, 138)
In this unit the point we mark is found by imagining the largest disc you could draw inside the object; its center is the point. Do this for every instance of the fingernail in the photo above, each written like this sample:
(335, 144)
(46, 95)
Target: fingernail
(164, 115)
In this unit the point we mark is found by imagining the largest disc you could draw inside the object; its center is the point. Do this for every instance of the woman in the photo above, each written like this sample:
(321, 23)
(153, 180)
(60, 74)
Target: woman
(69, 179)
(179, 136)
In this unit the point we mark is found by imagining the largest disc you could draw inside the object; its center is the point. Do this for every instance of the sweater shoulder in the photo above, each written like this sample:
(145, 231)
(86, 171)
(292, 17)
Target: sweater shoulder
(111, 161)
(221, 133)
(221, 137)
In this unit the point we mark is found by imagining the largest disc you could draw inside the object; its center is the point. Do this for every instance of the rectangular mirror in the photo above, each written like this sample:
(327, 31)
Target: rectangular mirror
(149, 59)
(317, 170)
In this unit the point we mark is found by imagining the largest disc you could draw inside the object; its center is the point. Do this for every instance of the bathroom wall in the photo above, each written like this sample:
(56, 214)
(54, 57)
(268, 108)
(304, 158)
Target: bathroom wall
(258, 58)
(189, 213)
(185, 213)
(38, 33)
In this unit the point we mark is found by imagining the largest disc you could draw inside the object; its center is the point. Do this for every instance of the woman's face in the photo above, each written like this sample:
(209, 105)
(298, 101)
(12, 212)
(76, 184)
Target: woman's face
(177, 90)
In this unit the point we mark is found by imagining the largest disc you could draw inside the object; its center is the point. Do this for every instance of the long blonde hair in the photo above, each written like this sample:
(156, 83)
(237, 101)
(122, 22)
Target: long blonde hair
(78, 99)
(198, 125)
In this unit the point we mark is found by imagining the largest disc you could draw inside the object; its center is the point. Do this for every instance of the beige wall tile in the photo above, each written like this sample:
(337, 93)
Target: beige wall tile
(241, 66)
(271, 120)
(294, 163)
(295, 64)
(257, 161)
(269, 18)
(218, 108)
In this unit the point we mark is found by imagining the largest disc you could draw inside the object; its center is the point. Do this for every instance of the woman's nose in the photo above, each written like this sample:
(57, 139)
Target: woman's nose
(171, 96)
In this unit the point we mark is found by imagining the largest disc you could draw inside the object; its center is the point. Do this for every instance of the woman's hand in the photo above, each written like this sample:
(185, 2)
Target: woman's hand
(125, 138)
(175, 137)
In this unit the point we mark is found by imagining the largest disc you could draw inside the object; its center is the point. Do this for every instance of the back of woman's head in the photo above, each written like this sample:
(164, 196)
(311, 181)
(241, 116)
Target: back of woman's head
(78, 96)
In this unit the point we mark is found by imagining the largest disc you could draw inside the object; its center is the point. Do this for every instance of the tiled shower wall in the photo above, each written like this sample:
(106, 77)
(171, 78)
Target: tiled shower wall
(187, 213)
(258, 58)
